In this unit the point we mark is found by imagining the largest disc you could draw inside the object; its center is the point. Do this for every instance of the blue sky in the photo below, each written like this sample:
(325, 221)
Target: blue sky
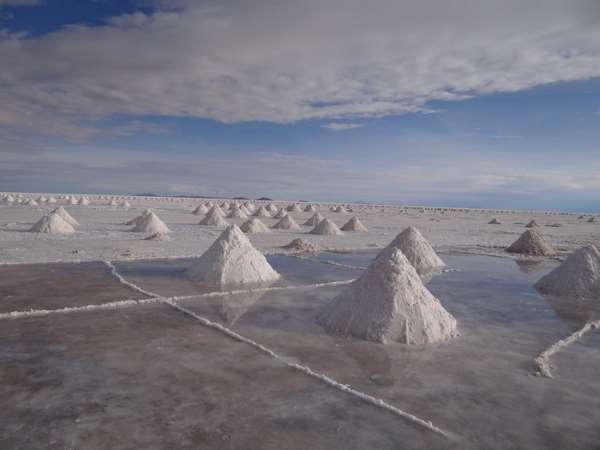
(494, 105)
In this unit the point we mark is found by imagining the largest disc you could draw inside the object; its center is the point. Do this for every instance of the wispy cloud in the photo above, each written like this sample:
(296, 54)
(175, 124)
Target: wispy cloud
(342, 126)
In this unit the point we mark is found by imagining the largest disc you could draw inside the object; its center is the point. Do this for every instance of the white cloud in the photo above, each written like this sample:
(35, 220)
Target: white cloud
(342, 126)
(286, 61)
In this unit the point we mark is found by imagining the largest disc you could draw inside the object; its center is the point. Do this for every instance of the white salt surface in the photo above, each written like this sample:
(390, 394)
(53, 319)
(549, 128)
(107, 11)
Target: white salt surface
(102, 235)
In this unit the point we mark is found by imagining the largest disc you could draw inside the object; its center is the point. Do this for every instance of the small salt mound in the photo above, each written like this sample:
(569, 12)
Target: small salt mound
(254, 226)
(577, 277)
(72, 201)
(272, 208)
(216, 210)
(389, 302)
(139, 218)
(232, 260)
(225, 205)
(281, 214)
(237, 213)
(62, 212)
(310, 209)
(314, 220)
(532, 224)
(151, 223)
(326, 227)
(9, 199)
(42, 199)
(301, 246)
(417, 250)
(286, 223)
(83, 201)
(52, 224)
(213, 218)
(201, 209)
(294, 208)
(494, 221)
(262, 212)
(531, 243)
(591, 220)
(354, 225)
(126, 204)
(250, 208)
(338, 209)
(247, 211)
(52, 200)
(158, 237)
(31, 202)
(113, 203)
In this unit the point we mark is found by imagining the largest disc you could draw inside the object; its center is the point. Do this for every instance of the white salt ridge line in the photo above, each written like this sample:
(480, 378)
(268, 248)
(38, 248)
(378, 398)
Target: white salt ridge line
(155, 298)
(542, 362)
(113, 270)
(328, 261)
(308, 371)
(73, 309)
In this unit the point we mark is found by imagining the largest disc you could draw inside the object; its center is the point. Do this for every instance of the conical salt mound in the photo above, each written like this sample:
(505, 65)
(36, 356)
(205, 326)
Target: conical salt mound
(294, 208)
(326, 227)
(213, 218)
(83, 201)
(286, 223)
(338, 209)
(301, 246)
(72, 201)
(262, 212)
(126, 204)
(139, 218)
(201, 209)
(314, 220)
(389, 302)
(417, 250)
(113, 202)
(310, 209)
(578, 276)
(232, 260)
(151, 223)
(216, 210)
(254, 226)
(53, 224)
(62, 212)
(591, 220)
(158, 237)
(494, 221)
(532, 224)
(237, 213)
(531, 243)
(354, 225)
(52, 200)
(272, 208)
(281, 214)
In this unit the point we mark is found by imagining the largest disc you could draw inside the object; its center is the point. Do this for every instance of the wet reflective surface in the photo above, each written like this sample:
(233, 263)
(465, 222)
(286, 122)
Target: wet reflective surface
(152, 377)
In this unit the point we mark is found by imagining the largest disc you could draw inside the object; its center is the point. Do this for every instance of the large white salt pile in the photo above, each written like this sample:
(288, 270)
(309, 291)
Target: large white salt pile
(139, 218)
(286, 223)
(389, 303)
(201, 209)
(237, 213)
(281, 214)
(577, 277)
(326, 227)
(354, 225)
(417, 250)
(254, 226)
(262, 212)
(151, 223)
(213, 218)
(62, 212)
(53, 224)
(531, 243)
(314, 220)
(232, 260)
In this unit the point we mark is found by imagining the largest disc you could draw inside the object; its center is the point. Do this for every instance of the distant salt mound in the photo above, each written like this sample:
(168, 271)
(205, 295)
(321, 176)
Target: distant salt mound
(158, 237)
(262, 212)
(591, 220)
(201, 209)
(126, 204)
(151, 224)
(354, 225)
(237, 213)
(72, 201)
(232, 260)
(577, 277)
(314, 220)
(281, 214)
(389, 303)
(272, 208)
(326, 227)
(532, 224)
(531, 243)
(294, 208)
(139, 218)
(338, 209)
(213, 218)
(83, 201)
(494, 221)
(310, 209)
(9, 199)
(301, 246)
(254, 226)
(31, 202)
(417, 250)
(52, 200)
(62, 212)
(216, 210)
(52, 224)
(286, 223)
(249, 207)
